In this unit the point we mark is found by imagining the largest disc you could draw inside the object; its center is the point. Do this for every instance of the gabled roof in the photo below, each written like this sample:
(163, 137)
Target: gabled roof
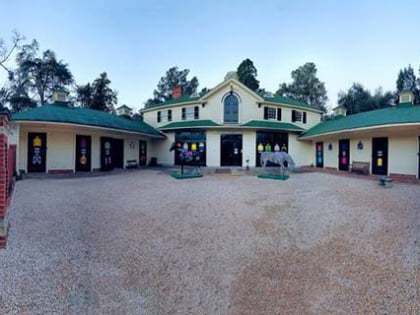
(230, 82)
(189, 124)
(259, 99)
(375, 118)
(59, 113)
(266, 124)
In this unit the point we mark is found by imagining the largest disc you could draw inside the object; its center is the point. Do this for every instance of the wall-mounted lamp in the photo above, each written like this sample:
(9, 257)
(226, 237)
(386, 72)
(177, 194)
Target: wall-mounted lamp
(360, 145)
(203, 105)
(330, 146)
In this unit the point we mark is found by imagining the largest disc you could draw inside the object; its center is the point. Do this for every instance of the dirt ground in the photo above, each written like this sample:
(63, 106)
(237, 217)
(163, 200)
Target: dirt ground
(141, 242)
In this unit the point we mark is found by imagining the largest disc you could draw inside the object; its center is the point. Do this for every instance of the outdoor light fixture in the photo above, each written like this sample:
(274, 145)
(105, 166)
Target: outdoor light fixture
(360, 145)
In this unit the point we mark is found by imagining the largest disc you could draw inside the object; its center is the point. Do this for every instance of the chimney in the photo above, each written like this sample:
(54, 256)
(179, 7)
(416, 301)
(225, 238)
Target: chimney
(406, 98)
(176, 91)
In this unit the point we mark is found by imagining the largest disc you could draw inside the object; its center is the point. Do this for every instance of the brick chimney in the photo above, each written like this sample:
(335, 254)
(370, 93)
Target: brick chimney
(176, 91)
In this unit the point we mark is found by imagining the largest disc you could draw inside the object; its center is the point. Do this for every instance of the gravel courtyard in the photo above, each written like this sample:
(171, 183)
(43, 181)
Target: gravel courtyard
(142, 242)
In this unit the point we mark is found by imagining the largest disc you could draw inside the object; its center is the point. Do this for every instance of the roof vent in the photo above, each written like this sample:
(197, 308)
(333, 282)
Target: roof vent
(406, 98)
(60, 95)
(124, 110)
(339, 111)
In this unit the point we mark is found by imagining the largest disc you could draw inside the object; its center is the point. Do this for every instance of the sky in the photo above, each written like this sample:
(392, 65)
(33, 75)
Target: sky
(136, 42)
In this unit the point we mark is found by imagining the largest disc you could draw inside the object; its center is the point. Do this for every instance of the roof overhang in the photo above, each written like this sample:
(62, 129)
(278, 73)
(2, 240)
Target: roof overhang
(45, 124)
(370, 131)
(301, 108)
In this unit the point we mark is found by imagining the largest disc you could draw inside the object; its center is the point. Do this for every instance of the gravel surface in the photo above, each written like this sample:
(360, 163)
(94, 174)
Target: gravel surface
(142, 242)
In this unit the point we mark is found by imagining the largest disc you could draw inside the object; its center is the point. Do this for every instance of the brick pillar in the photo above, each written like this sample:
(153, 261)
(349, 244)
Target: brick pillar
(4, 179)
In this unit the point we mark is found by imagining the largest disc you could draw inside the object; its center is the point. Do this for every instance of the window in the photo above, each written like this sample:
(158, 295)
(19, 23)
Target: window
(158, 117)
(194, 140)
(270, 142)
(231, 105)
(296, 115)
(190, 113)
(272, 113)
(165, 116)
(304, 117)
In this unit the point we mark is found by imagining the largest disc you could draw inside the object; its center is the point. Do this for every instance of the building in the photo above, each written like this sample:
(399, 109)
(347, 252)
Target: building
(56, 138)
(388, 139)
(230, 125)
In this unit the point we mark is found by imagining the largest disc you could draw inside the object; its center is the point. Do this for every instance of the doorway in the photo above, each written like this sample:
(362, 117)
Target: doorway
(83, 153)
(380, 156)
(343, 154)
(37, 152)
(319, 153)
(112, 153)
(231, 150)
(142, 153)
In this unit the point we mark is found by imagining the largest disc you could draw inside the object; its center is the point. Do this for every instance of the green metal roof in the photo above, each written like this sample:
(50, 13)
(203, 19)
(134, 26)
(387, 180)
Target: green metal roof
(182, 99)
(379, 117)
(272, 125)
(82, 116)
(289, 101)
(189, 124)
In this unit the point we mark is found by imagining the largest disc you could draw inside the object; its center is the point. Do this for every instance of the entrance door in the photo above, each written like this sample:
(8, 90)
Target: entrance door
(343, 154)
(142, 153)
(37, 152)
(380, 156)
(83, 153)
(231, 150)
(106, 154)
(319, 153)
(118, 153)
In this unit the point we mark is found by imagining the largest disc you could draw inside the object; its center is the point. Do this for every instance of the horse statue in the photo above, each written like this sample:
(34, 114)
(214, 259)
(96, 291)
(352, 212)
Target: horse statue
(186, 156)
(283, 159)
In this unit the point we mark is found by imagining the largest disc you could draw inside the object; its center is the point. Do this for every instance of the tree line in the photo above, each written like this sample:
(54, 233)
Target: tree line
(37, 75)
(305, 86)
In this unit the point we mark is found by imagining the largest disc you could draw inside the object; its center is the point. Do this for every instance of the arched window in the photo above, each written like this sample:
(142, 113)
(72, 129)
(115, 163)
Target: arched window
(231, 105)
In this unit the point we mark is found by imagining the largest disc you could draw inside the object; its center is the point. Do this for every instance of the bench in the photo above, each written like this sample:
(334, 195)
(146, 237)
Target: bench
(357, 166)
(385, 181)
(132, 164)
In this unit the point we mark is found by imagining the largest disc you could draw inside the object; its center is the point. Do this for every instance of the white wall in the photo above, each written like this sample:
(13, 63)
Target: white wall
(160, 150)
(61, 145)
(60, 151)
(402, 155)
(300, 151)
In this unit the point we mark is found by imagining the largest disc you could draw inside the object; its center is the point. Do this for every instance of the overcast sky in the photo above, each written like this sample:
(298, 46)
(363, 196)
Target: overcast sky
(135, 42)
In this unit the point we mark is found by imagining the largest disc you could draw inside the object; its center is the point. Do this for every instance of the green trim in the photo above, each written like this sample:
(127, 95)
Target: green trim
(291, 102)
(87, 117)
(375, 118)
(189, 124)
(272, 176)
(185, 175)
(272, 125)
(182, 99)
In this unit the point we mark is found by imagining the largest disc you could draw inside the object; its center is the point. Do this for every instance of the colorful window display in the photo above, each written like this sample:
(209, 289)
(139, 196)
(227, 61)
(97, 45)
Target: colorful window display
(271, 142)
(194, 142)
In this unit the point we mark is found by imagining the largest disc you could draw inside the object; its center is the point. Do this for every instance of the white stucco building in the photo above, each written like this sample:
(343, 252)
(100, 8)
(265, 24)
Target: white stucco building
(233, 124)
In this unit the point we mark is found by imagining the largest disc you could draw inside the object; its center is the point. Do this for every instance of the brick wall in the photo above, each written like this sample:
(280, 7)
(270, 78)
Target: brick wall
(6, 177)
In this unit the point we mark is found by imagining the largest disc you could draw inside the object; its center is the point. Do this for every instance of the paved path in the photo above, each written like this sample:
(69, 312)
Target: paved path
(142, 242)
